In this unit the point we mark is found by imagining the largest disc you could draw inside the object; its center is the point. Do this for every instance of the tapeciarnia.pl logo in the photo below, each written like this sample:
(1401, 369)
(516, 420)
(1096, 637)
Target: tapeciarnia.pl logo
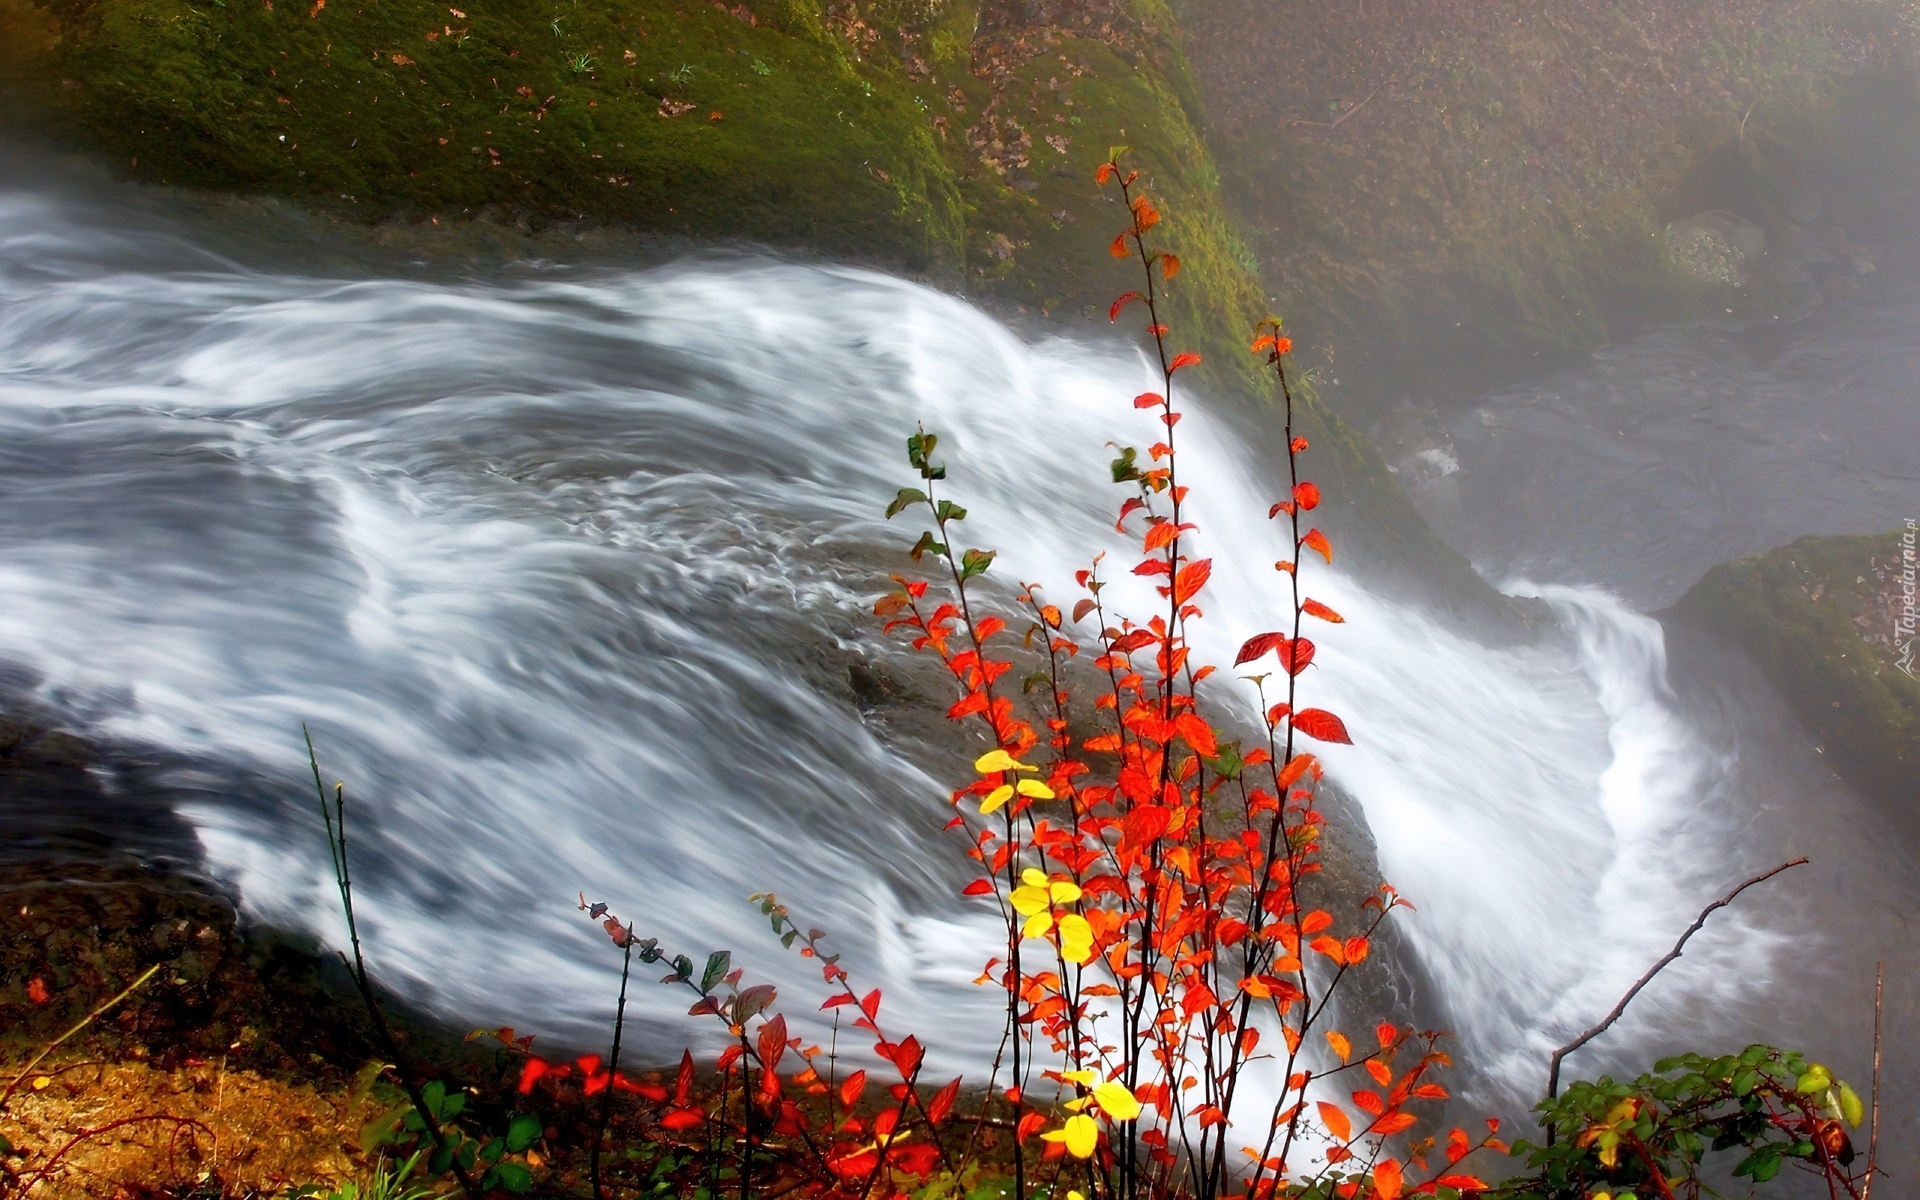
(1904, 622)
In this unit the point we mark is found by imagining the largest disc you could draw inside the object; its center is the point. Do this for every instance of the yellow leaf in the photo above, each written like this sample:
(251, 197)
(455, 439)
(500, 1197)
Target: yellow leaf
(1340, 1044)
(41, 1081)
(1037, 925)
(1082, 1136)
(995, 799)
(1116, 1101)
(995, 760)
(1086, 1078)
(1035, 789)
(1029, 900)
(1064, 891)
(1076, 938)
(1034, 877)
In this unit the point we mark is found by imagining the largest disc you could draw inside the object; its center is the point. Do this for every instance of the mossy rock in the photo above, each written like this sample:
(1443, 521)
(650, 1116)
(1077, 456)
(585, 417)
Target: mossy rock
(1830, 622)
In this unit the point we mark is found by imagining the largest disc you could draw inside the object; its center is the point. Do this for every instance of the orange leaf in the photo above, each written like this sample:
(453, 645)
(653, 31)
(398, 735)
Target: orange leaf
(1369, 1102)
(1317, 541)
(1386, 1032)
(851, 1087)
(1331, 947)
(1191, 579)
(1104, 174)
(1381, 1072)
(1315, 921)
(1458, 1146)
(1119, 247)
(1291, 773)
(1321, 724)
(1186, 358)
(1169, 266)
(1314, 608)
(1161, 535)
(1464, 1183)
(1340, 1045)
(1387, 1179)
(1336, 1121)
(1113, 313)
(1105, 743)
(1356, 950)
(1307, 495)
(1393, 1123)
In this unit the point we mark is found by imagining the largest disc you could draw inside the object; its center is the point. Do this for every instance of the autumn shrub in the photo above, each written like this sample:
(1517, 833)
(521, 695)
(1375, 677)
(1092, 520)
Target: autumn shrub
(1172, 963)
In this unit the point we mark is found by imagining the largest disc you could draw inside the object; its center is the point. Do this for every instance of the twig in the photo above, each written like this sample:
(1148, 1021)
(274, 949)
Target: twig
(109, 1127)
(1553, 1070)
(1334, 124)
(82, 1024)
(613, 1069)
(337, 847)
(1873, 1136)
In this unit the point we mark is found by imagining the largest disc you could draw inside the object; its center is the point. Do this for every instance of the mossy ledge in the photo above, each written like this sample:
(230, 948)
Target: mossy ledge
(1829, 621)
(955, 140)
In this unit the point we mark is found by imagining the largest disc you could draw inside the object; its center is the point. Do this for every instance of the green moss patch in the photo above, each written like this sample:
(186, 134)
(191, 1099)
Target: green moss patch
(1828, 619)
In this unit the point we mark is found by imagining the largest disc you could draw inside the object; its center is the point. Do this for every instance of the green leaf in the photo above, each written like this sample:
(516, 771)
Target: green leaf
(453, 1106)
(718, 963)
(975, 562)
(491, 1152)
(436, 1095)
(905, 497)
(949, 511)
(467, 1153)
(1228, 764)
(380, 1130)
(441, 1160)
(1124, 468)
(926, 545)
(522, 1131)
(511, 1176)
(1036, 679)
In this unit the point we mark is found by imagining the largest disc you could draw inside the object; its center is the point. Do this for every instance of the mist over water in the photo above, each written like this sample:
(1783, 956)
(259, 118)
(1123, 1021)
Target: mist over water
(566, 568)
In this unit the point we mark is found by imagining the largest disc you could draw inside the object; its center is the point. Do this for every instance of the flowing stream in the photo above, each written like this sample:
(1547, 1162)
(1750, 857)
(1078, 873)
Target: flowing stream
(567, 568)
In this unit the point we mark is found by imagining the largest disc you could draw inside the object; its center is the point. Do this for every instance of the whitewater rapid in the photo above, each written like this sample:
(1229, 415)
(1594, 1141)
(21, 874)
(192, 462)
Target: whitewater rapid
(564, 566)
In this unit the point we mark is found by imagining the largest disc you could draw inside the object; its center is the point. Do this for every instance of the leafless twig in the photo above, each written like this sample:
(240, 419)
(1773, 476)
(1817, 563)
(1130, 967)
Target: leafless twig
(1553, 1069)
(1334, 124)
(1873, 1136)
(78, 1026)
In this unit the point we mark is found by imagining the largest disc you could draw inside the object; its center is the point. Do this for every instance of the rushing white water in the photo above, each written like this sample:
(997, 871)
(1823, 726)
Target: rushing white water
(564, 569)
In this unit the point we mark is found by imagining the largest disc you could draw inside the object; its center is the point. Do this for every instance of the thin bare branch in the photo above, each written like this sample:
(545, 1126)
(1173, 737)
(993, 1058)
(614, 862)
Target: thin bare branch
(1873, 1135)
(1553, 1069)
(78, 1026)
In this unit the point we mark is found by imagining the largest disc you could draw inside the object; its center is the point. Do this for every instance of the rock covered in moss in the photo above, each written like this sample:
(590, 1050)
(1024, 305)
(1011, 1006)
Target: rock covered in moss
(1830, 620)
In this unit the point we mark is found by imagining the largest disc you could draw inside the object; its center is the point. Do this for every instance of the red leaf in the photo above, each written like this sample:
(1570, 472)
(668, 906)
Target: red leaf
(1030, 1124)
(1146, 823)
(1317, 541)
(943, 1101)
(1195, 731)
(975, 702)
(1314, 608)
(1149, 400)
(1306, 495)
(1127, 643)
(870, 1004)
(1319, 723)
(1395, 1123)
(1113, 314)
(1295, 655)
(1081, 609)
(1369, 1102)
(1464, 1183)
(907, 1055)
(1257, 645)
(851, 1087)
(979, 887)
(837, 1001)
(1191, 579)
(773, 1042)
(1161, 535)
(1186, 358)
(680, 1120)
